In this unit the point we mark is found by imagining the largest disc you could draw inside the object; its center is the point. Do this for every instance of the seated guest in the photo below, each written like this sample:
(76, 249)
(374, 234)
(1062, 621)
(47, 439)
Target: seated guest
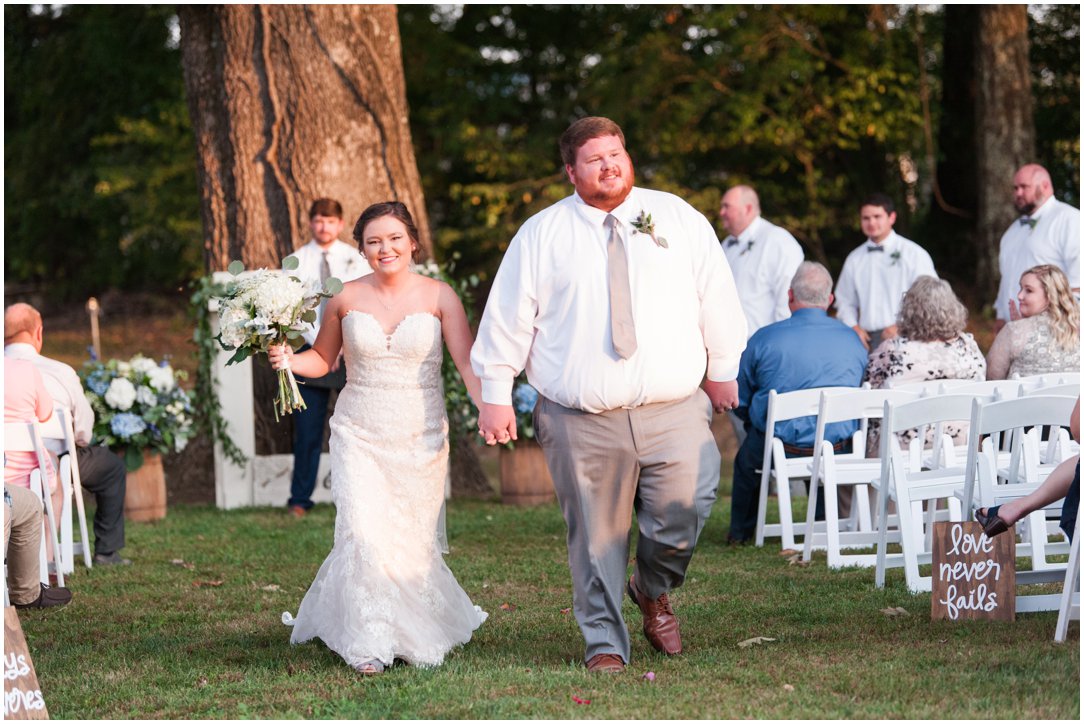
(26, 400)
(932, 345)
(1047, 336)
(22, 541)
(1063, 482)
(100, 470)
(810, 349)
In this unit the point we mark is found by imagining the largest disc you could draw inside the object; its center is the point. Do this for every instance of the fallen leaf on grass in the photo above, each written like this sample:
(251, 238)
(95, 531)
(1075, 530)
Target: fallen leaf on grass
(566, 610)
(201, 682)
(897, 611)
(508, 607)
(270, 587)
(788, 552)
(788, 687)
(755, 640)
(578, 700)
(183, 564)
(796, 560)
(201, 584)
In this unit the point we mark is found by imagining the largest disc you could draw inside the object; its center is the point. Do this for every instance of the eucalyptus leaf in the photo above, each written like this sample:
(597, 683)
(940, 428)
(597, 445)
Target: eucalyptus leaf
(333, 286)
(240, 355)
(290, 263)
(133, 458)
(236, 267)
(293, 335)
(309, 316)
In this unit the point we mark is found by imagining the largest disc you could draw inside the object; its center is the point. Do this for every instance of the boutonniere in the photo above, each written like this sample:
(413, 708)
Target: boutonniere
(645, 225)
(895, 257)
(748, 247)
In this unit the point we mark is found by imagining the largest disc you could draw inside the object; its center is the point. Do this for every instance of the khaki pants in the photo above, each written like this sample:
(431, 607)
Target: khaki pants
(22, 543)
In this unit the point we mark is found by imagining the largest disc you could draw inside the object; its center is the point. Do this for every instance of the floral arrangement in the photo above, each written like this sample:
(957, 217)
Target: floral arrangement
(266, 308)
(524, 398)
(138, 405)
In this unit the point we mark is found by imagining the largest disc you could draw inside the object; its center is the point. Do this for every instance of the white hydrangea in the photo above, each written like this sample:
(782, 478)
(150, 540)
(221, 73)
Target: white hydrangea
(123, 368)
(121, 394)
(161, 378)
(273, 296)
(232, 322)
(146, 396)
(142, 365)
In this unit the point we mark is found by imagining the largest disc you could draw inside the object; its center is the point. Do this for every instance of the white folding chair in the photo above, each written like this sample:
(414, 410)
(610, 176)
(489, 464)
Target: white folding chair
(26, 437)
(1069, 606)
(1050, 379)
(832, 470)
(778, 467)
(904, 480)
(989, 420)
(59, 439)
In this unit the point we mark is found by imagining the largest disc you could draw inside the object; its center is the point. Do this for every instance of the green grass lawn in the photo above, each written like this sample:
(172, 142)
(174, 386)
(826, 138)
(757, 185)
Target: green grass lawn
(193, 630)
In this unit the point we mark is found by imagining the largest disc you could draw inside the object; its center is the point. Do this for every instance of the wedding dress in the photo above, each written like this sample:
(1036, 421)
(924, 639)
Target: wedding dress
(384, 591)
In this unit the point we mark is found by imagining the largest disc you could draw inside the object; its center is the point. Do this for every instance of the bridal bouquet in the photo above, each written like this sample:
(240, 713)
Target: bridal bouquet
(265, 308)
(138, 406)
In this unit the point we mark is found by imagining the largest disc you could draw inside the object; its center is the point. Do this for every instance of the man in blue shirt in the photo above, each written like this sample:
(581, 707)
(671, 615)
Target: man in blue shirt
(808, 350)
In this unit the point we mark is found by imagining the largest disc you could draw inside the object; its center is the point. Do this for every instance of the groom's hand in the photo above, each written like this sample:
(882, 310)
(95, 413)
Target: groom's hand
(497, 423)
(723, 395)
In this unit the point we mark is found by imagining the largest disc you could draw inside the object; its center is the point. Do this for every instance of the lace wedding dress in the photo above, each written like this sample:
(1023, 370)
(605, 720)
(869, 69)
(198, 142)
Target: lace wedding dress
(384, 591)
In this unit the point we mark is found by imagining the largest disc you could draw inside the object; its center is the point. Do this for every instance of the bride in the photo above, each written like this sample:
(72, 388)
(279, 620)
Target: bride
(384, 591)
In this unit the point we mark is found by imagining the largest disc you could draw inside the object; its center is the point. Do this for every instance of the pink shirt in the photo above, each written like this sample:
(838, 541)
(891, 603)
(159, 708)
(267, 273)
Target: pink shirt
(25, 399)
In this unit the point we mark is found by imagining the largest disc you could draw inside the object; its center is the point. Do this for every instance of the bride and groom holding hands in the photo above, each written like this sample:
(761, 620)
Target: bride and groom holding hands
(616, 301)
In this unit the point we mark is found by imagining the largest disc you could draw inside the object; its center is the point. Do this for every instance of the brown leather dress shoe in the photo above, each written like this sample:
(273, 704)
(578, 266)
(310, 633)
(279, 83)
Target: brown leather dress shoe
(605, 664)
(660, 624)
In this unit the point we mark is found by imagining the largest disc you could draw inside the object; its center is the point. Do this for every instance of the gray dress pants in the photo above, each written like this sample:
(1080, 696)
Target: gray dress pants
(660, 460)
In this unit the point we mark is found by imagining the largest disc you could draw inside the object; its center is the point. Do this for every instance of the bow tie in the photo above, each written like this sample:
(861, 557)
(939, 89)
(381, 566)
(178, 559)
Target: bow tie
(1028, 221)
(874, 247)
(731, 241)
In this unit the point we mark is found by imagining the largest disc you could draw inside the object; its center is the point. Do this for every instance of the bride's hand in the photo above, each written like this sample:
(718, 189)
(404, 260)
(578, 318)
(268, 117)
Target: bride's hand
(280, 356)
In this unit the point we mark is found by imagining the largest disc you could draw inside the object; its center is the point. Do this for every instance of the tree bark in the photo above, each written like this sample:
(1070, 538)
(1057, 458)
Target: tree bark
(291, 103)
(1005, 126)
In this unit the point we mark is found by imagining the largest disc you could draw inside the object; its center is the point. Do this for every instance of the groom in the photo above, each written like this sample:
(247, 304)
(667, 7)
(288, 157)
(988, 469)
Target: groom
(616, 300)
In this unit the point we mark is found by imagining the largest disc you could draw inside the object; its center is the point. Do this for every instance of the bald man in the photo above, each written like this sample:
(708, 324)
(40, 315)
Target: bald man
(763, 258)
(1047, 232)
(100, 470)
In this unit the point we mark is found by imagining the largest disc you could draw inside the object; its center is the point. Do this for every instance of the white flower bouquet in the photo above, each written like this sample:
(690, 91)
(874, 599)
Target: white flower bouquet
(269, 307)
(138, 406)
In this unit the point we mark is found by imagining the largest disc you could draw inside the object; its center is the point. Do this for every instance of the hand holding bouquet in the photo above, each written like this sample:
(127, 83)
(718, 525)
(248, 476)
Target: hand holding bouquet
(265, 308)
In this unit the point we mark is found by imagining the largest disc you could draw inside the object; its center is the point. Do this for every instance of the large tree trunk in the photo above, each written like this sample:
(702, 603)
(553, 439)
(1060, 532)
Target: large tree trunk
(1004, 123)
(291, 103)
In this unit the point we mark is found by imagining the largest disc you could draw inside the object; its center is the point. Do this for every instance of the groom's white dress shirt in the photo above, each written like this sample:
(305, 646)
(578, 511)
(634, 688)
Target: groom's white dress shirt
(872, 284)
(763, 259)
(345, 262)
(1055, 239)
(549, 308)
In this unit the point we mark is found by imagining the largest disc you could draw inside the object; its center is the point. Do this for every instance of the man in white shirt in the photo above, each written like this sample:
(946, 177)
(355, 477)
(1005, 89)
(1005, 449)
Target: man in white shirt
(101, 471)
(763, 258)
(876, 274)
(324, 256)
(617, 300)
(1047, 232)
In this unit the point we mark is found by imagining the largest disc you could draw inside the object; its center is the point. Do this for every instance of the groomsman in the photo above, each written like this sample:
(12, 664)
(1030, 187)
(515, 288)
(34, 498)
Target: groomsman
(763, 257)
(324, 256)
(617, 300)
(1047, 232)
(876, 274)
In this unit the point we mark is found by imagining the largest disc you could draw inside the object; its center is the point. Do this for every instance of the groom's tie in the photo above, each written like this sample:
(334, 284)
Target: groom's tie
(325, 272)
(621, 324)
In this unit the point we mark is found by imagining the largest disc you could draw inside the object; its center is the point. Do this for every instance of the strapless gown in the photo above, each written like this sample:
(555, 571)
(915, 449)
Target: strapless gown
(384, 591)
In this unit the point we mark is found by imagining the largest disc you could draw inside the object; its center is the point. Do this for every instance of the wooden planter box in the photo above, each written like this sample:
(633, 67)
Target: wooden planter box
(525, 479)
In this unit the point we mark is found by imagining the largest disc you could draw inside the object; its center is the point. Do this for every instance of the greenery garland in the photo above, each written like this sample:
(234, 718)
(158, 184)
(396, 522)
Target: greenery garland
(208, 410)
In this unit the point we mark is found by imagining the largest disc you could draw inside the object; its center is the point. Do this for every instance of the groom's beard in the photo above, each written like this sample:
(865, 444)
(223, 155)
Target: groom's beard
(613, 197)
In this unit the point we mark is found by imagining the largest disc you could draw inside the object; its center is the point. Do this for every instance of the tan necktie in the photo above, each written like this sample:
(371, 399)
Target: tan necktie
(622, 326)
(325, 272)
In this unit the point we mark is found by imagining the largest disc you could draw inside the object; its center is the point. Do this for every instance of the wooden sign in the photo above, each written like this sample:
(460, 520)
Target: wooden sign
(974, 577)
(22, 695)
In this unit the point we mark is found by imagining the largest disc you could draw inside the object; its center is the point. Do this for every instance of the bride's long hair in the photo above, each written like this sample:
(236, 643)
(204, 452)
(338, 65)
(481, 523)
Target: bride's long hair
(395, 209)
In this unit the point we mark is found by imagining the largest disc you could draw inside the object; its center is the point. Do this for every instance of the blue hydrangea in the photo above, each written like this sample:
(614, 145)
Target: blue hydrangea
(125, 425)
(524, 398)
(97, 383)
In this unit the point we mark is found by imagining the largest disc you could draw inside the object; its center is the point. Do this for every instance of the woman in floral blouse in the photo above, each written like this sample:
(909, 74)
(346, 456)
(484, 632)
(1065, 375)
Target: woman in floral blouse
(932, 345)
(1047, 336)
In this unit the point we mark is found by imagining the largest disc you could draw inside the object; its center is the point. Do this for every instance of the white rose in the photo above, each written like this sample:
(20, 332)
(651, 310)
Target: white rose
(121, 394)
